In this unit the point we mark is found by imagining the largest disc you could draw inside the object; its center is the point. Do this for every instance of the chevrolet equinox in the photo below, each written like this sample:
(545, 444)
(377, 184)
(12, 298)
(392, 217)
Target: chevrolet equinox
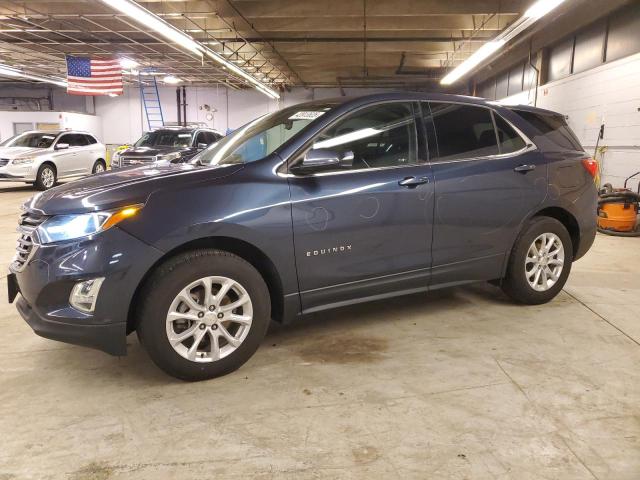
(311, 207)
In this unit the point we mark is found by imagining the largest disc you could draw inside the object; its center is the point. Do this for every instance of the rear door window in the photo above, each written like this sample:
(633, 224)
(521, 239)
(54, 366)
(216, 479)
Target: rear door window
(553, 128)
(90, 139)
(508, 138)
(462, 131)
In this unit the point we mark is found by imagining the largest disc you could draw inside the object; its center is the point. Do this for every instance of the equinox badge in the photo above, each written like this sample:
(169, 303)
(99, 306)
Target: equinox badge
(327, 251)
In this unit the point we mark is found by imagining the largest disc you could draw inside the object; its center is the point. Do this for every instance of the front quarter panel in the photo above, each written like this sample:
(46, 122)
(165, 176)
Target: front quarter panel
(252, 205)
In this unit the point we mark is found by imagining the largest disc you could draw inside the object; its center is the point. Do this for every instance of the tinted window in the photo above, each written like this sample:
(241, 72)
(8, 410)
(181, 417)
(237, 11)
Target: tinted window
(90, 139)
(553, 128)
(73, 139)
(463, 131)
(378, 136)
(508, 139)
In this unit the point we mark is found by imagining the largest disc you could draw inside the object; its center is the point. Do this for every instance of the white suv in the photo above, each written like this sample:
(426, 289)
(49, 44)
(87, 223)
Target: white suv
(43, 157)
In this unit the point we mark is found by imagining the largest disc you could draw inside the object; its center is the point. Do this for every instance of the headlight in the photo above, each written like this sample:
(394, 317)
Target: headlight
(23, 160)
(168, 157)
(69, 227)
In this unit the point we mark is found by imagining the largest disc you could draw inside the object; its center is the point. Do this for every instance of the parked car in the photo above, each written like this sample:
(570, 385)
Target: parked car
(44, 157)
(315, 206)
(169, 144)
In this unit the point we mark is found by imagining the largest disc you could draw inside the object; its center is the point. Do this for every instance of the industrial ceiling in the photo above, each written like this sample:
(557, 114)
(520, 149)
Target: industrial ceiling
(282, 43)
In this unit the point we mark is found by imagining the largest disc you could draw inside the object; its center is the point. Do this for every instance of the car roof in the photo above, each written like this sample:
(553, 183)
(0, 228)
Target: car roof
(416, 96)
(58, 132)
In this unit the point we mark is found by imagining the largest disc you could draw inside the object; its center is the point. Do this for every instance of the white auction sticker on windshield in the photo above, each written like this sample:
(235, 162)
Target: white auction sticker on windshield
(305, 115)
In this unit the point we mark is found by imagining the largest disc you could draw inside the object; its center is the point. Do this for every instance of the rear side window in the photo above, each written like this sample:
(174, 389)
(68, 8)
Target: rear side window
(552, 128)
(463, 131)
(73, 140)
(90, 139)
(509, 140)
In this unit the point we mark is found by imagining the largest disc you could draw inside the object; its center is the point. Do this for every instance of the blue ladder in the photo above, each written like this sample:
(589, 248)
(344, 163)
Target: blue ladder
(151, 101)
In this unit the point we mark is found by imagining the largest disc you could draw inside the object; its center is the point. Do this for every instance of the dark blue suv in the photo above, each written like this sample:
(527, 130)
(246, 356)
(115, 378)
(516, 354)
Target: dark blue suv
(312, 207)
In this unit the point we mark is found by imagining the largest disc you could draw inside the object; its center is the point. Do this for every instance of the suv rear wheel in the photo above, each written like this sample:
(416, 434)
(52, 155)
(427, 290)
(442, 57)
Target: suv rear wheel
(540, 262)
(203, 314)
(99, 166)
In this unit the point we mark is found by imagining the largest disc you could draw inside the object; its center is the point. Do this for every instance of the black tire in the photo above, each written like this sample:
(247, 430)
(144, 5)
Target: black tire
(95, 166)
(174, 275)
(515, 283)
(41, 182)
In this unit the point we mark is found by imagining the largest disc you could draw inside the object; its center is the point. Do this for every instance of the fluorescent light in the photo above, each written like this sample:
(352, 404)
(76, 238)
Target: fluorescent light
(171, 79)
(533, 14)
(13, 72)
(478, 56)
(155, 23)
(541, 8)
(128, 63)
(235, 69)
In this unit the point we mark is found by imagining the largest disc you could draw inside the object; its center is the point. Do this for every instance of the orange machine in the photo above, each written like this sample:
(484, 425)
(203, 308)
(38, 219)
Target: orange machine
(618, 210)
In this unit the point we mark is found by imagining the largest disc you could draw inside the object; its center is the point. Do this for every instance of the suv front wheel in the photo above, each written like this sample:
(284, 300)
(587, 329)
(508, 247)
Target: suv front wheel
(203, 314)
(540, 262)
(46, 177)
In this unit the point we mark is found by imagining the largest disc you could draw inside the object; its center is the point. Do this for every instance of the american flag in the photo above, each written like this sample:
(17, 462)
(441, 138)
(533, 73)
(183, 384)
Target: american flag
(87, 76)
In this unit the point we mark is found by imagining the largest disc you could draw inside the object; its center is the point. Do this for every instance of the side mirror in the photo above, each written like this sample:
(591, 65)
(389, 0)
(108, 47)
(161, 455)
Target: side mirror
(316, 160)
(62, 146)
(202, 146)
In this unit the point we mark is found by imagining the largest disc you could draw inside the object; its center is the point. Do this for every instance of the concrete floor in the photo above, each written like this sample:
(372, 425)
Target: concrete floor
(456, 384)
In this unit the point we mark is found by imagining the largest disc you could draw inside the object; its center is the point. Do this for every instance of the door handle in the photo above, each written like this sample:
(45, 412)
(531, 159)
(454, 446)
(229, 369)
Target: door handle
(524, 168)
(411, 182)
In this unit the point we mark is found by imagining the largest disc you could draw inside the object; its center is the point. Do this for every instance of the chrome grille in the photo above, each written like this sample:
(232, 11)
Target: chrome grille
(29, 221)
(127, 161)
(3, 162)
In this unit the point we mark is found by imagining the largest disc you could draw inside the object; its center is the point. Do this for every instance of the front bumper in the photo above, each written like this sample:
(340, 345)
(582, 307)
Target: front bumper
(17, 173)
(109, 338)
(46, 281)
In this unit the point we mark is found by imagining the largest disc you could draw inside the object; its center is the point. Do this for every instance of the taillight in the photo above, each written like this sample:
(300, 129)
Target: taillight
(591, 166)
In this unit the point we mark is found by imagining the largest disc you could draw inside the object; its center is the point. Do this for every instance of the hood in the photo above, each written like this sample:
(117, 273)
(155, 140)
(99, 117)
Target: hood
(126, 186)
(13, 152)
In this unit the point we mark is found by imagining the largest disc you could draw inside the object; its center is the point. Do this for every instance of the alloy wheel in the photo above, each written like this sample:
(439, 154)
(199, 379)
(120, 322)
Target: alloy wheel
(209, 319)
(47, 176)
(544, 262)
(99, 168)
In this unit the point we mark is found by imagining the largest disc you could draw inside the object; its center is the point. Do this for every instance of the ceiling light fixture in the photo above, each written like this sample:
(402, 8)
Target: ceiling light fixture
(534, 13)
(171, 79)
(128, 63)
(154, 22)
(8, 71)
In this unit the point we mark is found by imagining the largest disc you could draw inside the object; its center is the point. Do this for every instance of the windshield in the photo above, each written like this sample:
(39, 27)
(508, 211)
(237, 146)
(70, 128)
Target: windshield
(261, 137)
(32, 140)
(164, 138)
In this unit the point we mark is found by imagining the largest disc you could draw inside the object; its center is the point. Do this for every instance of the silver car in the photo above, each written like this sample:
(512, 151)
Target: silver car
(43, 157)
